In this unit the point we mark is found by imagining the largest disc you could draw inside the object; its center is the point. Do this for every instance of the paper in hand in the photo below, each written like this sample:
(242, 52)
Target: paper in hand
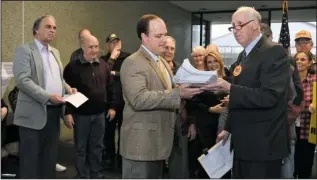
(76, 99)
(218, 161)
(187, 74)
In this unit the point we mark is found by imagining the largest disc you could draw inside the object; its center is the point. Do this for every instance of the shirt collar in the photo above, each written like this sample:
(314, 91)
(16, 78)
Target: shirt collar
(153, 56)
(308, 78)
(41, 46)
(249, 48)
(84, 61)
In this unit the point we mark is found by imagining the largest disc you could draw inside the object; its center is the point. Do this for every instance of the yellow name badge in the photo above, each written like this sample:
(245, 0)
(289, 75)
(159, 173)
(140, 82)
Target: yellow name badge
(312, 127)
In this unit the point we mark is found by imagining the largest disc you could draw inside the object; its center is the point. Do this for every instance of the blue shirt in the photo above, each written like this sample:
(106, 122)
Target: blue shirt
(249, 48)
(52, 77)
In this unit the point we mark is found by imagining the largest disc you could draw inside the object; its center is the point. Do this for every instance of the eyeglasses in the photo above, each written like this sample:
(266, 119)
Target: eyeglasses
(239, 27)
(303, 42)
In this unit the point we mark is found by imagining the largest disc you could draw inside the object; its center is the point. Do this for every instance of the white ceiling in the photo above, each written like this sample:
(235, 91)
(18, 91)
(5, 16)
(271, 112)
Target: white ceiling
(197, 6)
(308, 15)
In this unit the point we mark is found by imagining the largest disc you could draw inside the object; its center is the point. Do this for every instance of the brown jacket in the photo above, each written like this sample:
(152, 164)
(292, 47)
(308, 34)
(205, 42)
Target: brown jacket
(149, 113)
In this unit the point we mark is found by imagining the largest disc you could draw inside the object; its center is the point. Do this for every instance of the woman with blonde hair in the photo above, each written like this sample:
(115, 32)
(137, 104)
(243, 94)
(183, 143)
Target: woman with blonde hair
(205, 109)
(198, 54)
(214, 62)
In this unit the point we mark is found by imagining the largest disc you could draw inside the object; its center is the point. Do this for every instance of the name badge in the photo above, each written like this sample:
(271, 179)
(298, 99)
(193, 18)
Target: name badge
(237, 70)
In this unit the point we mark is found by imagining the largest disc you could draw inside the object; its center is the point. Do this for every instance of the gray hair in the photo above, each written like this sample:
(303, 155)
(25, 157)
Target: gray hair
(253, 14)
(37, 22)
(171, 38)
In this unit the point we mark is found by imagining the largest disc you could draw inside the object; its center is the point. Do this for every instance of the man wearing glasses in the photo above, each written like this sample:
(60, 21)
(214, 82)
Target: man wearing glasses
(257, 107)
(303, 42)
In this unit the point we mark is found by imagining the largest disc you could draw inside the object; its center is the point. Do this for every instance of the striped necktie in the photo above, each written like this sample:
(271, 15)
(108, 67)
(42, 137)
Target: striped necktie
(243, 57)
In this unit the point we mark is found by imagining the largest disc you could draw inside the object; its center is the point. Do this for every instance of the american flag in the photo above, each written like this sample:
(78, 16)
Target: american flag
(284, 34)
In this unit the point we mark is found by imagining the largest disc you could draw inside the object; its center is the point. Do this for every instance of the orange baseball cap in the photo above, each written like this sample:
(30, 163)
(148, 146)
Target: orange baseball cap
(303, 34)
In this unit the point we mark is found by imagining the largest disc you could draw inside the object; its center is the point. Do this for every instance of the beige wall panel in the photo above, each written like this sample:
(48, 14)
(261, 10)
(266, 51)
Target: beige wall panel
(103, 17)
(11, 28)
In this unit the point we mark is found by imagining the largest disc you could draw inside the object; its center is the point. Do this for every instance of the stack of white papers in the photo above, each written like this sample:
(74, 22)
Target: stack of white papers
(187, 74)
(218, 161)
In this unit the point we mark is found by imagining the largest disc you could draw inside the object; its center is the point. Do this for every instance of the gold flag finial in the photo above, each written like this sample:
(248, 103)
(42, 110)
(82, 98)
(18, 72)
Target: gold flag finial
(285, 6)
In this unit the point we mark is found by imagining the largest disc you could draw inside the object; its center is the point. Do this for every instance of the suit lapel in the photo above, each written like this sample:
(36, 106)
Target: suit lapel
(252, 55)
(256, 48)
(38, 61)
(153, 64)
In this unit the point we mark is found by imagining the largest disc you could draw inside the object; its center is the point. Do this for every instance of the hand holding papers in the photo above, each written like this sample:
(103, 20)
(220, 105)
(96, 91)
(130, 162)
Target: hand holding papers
(218, 161)
(76, 99)
(220, 86)
(187, 74)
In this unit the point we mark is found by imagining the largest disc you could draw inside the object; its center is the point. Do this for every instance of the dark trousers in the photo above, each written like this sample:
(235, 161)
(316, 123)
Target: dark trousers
(142, 169)
(38, 148)
(88, 135)
(304, 157)
(178, 160)
(109, 138)
(256, 169)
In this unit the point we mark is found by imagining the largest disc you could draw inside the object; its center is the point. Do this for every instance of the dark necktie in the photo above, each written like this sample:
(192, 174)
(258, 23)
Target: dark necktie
(243, 57)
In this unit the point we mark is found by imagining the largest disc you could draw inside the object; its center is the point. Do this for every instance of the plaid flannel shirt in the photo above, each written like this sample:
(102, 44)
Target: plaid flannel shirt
(307, 84)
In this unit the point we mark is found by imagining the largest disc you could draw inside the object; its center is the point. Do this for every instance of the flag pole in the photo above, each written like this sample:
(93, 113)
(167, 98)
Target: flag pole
(285, 10)
(284, 33)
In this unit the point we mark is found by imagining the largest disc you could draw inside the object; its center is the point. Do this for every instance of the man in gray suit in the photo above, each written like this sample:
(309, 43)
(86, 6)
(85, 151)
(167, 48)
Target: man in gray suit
(151, 101)
(185, 129)
(38, 71)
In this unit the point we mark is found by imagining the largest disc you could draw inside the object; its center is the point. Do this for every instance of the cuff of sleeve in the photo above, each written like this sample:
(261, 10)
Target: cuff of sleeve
(67, 110)
(113, 107)
(111, 60)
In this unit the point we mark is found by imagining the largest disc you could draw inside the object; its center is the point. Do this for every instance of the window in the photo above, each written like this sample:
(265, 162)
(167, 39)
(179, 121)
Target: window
(196, 31)
(294, 27)
(228, 46)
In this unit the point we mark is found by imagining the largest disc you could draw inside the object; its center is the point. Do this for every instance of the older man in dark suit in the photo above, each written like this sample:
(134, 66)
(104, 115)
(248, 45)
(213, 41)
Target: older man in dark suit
(258, 100)
(185, 129)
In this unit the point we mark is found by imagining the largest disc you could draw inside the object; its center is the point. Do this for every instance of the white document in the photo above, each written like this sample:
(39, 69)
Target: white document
(187, 74)
(76, 99)
(7, 70)
(6, 75)
(218, 161)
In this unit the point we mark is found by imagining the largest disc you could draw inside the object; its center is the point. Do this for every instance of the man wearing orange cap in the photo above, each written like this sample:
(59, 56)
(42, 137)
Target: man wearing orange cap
(303, 42)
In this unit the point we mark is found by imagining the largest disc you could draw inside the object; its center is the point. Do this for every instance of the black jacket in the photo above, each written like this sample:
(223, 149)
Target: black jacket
(78, 53)
(95, 82)
(257, 116)
(115, 65)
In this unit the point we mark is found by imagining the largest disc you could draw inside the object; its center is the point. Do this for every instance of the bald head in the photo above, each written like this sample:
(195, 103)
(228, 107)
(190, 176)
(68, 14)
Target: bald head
(82, 33)
(246, 25)
(250, 12)
(90, 46)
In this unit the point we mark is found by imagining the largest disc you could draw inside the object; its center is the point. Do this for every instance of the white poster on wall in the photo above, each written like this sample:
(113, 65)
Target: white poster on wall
(6, 75)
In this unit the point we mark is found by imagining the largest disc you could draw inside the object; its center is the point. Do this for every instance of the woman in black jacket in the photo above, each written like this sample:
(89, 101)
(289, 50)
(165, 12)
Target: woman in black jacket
(205, 108)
